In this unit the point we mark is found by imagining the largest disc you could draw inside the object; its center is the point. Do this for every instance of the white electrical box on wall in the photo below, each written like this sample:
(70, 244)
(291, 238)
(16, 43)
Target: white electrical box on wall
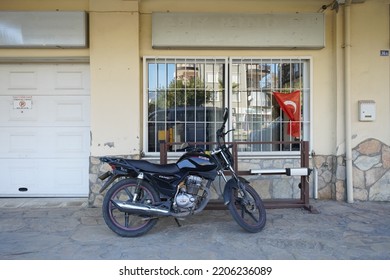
(367, 110)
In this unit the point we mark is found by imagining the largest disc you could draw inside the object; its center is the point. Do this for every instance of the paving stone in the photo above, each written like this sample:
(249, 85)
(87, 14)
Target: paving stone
(62, 231)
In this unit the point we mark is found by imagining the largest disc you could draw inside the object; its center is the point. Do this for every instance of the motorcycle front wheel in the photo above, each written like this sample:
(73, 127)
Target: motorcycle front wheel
(247, 209)
(123, 223)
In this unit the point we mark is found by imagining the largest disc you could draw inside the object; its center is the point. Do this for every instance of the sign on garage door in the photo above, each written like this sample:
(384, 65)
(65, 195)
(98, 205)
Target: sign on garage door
(44, 130)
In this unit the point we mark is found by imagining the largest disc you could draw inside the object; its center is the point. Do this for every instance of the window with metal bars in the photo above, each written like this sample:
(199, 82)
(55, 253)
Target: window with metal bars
(258, 115)
(185, 97)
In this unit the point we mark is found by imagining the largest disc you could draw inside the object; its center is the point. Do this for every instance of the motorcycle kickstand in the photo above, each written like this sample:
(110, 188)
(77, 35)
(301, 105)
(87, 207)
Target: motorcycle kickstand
(177, 222)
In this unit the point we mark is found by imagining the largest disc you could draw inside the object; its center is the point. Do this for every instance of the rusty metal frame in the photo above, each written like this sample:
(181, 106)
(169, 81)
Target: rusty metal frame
(302, 202)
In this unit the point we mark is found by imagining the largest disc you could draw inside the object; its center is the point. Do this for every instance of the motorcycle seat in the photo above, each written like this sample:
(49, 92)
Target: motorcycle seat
(144, 165)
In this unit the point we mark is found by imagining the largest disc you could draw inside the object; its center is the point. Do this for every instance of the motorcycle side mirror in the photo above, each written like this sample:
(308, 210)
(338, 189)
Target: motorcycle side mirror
(225, 115)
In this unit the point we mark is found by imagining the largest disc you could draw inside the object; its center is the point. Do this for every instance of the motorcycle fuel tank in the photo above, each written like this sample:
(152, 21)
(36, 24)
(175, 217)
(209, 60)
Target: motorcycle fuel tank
(196, 162)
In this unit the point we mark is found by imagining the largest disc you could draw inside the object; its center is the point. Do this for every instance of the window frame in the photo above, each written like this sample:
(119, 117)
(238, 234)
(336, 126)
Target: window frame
(307, 93)
(306, 113)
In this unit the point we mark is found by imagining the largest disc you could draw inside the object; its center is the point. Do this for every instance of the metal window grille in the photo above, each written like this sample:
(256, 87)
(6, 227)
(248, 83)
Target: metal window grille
(257, 116)
(185, 97)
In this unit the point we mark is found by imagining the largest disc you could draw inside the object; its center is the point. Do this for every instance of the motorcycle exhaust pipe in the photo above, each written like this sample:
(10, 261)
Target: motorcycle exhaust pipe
(141, 209)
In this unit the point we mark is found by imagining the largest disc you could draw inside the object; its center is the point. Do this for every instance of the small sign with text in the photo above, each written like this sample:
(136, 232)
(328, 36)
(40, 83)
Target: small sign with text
(384, 52)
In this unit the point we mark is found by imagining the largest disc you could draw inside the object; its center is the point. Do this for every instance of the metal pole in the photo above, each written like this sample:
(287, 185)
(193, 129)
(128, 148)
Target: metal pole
(347, 78)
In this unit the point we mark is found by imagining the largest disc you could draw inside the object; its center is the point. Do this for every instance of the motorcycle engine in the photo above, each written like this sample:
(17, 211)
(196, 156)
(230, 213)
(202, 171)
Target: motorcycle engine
(188, 193)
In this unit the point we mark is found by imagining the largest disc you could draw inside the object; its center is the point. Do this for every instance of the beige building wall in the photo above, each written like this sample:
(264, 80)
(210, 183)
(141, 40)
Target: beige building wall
(120, 36)
(115, 78)
(113, 55)
(370, 71)
(323, 63)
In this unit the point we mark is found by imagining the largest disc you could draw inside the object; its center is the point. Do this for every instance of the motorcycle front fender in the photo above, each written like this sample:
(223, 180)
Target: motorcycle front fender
(230, 185)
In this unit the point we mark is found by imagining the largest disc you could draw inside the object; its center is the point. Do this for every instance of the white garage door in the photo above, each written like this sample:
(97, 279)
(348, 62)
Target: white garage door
(44, 130)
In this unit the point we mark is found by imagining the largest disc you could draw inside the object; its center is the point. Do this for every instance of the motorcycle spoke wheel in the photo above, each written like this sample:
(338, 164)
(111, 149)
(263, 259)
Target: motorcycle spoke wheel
(248, 209)
(129, 224)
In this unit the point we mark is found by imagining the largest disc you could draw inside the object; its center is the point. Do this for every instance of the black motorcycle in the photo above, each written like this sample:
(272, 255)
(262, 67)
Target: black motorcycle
(144, 191)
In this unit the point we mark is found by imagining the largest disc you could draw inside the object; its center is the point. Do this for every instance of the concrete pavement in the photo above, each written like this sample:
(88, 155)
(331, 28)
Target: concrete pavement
(67, 229)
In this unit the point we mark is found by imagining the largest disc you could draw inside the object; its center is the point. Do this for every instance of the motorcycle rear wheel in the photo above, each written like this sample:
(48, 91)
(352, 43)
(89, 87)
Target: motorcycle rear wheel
(247, 210)
(128, 224)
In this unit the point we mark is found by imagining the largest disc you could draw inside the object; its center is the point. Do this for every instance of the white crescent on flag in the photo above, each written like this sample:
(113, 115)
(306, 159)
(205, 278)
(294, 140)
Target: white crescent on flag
(292, 103)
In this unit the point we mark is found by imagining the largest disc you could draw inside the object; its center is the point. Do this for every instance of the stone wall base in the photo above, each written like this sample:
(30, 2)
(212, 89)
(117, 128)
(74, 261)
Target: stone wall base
(371, 173)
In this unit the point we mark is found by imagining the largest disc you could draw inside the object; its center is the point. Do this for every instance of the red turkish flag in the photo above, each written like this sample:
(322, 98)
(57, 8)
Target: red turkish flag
(291, 105)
